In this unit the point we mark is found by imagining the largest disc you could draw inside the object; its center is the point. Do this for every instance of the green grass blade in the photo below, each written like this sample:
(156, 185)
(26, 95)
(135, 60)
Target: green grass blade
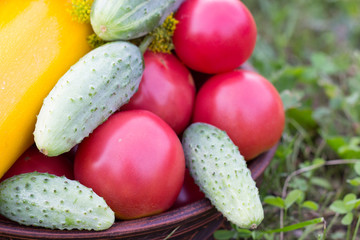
(296, 226)
(356, 228)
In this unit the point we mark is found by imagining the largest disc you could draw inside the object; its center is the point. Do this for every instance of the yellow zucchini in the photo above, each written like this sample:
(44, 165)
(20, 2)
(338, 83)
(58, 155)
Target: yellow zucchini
(39, 42)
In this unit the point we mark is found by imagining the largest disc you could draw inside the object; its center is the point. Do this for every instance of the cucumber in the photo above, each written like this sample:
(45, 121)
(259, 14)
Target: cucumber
(128, 19)
(86, 95)
(220, 171)
(49, 201)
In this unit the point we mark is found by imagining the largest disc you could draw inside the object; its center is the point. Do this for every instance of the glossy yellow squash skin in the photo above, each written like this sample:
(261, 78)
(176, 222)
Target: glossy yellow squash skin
(39, 41)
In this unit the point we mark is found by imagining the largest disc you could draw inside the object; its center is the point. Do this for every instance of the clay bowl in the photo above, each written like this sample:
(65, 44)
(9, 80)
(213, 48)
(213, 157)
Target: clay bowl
(194, 221)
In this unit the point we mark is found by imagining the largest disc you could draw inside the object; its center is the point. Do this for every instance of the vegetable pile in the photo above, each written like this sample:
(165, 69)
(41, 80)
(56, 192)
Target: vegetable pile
(159, 106)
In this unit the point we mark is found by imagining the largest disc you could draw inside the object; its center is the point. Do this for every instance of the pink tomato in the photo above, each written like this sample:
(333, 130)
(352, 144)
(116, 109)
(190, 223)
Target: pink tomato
(33, 160)
(190, 192)
(245, 105)
(214, 36)
(135, 161)
(166, 89)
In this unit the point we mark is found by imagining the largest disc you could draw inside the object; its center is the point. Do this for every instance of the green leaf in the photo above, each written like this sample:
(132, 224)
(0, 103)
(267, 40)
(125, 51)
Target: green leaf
(300, 183)
(310, 205)
(244, 231)
(223, 234)
(346, 148)
(340, 234)
(351, 150)
(332, 91)
(318, 161)
(356, 203)
(287, 77)
(256, 235)
(352, 99)
(347, 219)
(292, 197)
(323, 63)
(290, 99)
(303, 116)
(354, 181)
(321, 182)
(339, 207)
(301, 198)
(275, 201)
(349, 201)
(336, 142)
(357, 167)
(321, 113)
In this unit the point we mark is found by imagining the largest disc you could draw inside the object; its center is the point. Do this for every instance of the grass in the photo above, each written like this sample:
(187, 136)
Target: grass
(310, 50)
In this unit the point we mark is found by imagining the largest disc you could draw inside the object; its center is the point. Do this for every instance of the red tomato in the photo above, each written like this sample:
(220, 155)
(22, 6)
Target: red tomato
(190, 192)
(33, 160)
(166, 89)
(214, 36)
(244, 104)
(135, 161)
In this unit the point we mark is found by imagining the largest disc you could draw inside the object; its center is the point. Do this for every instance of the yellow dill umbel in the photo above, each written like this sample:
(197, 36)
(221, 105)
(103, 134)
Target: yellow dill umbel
(162, 36)
(95, 41)
(80, 10)
(159, 40)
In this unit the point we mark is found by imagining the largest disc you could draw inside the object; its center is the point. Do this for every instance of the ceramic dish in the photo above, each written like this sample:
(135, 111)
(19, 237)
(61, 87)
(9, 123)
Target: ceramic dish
(194, 221)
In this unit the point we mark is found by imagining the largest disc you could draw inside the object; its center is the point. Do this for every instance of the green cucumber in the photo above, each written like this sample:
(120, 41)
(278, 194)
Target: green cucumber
(220, 170)
(49, 201)
(128, 19)
(94, 88)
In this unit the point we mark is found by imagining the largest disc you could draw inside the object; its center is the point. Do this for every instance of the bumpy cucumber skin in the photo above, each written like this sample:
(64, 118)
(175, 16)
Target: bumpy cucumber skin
(94, 88)
(128, 19)
(45, 200)
(221, 173)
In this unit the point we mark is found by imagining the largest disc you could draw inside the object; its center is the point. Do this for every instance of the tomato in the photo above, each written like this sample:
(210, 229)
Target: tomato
(135, 161)
(190, 192)
(33, 160)
(245, 105)
(214, 36)
(166, 89)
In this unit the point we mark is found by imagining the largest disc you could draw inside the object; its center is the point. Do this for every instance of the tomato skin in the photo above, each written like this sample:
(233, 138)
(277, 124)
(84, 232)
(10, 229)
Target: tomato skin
(245, 105)
(135, 161)
(33, 160)
(166, 89)
(189, 193)
(214, 36)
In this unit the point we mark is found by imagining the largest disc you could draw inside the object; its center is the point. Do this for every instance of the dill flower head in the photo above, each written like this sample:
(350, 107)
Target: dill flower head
(95, 41)
(162, 36)
(80, 10)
